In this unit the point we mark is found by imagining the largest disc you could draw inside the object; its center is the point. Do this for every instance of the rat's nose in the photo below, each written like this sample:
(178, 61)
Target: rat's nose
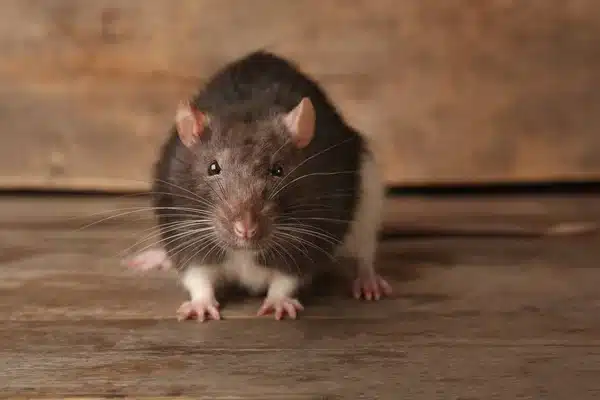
(245, 228)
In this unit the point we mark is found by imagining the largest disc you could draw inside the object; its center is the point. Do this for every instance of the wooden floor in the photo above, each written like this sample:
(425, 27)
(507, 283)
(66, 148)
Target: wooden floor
(472, 317)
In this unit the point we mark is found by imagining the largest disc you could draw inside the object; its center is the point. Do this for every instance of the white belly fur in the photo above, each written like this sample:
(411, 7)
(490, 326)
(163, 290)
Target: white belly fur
(361, 240)
(240, 267)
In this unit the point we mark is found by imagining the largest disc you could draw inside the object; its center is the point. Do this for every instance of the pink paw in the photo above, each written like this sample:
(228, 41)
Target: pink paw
(281, 306)
(199, 309)
(149, 260)
(371, 287)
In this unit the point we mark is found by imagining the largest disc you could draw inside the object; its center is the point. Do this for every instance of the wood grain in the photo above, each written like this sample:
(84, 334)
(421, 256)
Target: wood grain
(470, 317)
(457, 92)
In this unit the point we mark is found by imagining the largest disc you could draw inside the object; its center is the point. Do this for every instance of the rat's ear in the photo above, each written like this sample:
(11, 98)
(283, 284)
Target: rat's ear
(190, 123)
(301, 123)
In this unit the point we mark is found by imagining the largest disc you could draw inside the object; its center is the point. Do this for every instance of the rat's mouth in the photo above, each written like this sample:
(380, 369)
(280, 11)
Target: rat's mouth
(248, 238)
(255, 243)
(246, 244)
(243, 236)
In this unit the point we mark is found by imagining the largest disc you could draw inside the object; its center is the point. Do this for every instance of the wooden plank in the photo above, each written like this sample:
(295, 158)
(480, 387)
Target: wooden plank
(108, 361)
(450, 93)
(76, 325)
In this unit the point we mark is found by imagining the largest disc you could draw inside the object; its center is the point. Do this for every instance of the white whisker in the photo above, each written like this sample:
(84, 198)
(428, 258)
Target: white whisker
(203, 241)
(306, 242)
(310, 158)
(279, 190)
(208, 242)
(328, 238)
(337, 220)
(171, 239)
(136, 210)
(280, 147)
(176, 223)
(287, 253)
(297, 247)
(216, 246)
(194, 195)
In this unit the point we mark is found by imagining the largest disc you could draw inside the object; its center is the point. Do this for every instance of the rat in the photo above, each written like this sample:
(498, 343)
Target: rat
(263, 183)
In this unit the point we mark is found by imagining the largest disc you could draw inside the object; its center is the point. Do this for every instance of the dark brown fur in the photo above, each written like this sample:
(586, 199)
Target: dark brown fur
(243, 102)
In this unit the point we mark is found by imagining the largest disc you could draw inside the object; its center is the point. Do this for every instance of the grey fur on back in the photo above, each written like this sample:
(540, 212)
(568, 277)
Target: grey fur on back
(250, 89)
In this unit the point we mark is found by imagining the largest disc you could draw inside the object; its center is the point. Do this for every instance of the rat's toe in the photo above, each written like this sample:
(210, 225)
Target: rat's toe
(280, 307)
(199, 309)
(371, 288)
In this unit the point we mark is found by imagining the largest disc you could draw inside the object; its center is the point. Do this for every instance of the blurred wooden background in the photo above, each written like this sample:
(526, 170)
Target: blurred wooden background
(450, 91)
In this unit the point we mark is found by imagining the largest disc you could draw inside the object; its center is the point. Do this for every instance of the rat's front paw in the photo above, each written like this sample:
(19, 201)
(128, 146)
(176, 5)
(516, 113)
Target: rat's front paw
(149, 260)
(281, 306)
(199, 309)
(371, 287)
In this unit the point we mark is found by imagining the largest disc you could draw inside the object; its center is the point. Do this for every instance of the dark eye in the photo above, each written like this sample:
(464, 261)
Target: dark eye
(214, 168)
(276, 170)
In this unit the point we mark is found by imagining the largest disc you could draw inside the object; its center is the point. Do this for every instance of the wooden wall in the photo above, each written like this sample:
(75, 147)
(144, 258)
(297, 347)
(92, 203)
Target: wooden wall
(450, 91)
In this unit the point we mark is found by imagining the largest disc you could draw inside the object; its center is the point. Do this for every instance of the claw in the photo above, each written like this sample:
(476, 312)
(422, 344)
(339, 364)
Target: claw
(200, 309)
(281, 307)
(371, 287)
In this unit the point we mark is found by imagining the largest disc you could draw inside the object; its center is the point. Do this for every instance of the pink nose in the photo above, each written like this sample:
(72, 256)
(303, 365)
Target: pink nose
(245, 229)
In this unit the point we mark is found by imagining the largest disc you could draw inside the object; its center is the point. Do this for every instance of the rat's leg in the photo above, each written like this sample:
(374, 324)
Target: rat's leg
(200, 281)
(367, 283)
(154, 258)
(256, 278)
(361, 242)
(280, 297)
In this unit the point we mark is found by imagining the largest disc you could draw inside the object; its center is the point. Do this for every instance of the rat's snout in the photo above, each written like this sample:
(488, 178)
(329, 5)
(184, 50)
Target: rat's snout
(246, 226)
(244, 220)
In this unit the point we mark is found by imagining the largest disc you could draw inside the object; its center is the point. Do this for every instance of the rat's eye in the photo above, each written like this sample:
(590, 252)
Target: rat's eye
(276, 170)
(214, 168)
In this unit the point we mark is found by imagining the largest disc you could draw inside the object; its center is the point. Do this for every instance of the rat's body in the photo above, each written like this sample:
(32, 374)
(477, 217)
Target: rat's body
(263, 183)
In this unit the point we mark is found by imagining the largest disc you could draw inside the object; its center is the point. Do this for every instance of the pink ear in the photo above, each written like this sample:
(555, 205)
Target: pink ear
(190, 123)
(301, 123)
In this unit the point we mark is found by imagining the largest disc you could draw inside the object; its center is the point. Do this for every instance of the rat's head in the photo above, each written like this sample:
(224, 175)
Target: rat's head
(241, 166)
